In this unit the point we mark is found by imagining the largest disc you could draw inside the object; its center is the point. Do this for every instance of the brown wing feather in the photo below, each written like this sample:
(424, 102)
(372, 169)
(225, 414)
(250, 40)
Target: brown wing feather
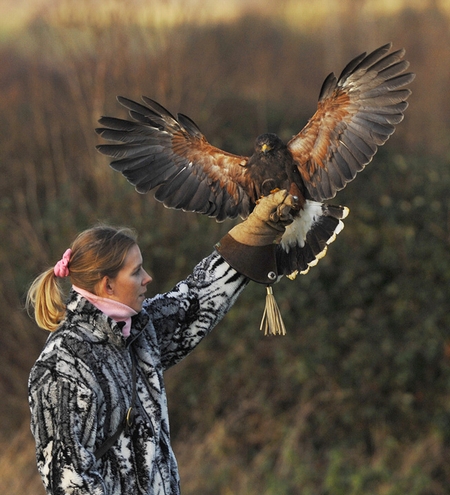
(156, 150)
(356, 113)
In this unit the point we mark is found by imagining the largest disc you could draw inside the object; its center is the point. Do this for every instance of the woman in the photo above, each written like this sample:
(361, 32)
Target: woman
(97, 396)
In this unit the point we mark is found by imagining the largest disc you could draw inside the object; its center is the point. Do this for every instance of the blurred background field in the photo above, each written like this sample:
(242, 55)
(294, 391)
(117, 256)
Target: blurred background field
(355, 400)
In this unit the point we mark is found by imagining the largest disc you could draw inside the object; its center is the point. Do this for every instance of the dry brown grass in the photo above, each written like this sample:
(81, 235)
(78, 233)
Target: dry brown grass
(18, 473)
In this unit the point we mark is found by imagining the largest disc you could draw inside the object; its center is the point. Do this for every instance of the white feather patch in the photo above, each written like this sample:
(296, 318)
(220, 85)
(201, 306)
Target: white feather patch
(296, 232)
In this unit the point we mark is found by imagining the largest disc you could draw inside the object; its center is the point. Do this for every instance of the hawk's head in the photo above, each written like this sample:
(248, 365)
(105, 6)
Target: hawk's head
(268, 142)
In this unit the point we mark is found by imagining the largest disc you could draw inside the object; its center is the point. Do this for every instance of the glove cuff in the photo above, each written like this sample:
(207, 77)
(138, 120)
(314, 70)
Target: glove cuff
(258, 263)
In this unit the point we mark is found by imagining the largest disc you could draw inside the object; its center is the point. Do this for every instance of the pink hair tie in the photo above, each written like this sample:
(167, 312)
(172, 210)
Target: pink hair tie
(61, 268)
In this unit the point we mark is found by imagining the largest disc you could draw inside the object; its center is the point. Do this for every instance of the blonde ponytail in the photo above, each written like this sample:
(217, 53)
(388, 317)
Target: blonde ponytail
(45, 297)
(95, 253)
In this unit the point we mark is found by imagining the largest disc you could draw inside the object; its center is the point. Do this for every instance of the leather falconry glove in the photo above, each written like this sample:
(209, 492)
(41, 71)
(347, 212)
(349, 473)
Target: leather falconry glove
(250, 249)
(250, 246)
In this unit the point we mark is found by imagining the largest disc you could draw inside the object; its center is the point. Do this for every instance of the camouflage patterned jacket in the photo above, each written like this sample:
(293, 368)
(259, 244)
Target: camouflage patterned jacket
(81, 386)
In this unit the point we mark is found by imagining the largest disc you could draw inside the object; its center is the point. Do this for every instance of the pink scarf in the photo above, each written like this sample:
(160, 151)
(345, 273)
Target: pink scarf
(114, 309)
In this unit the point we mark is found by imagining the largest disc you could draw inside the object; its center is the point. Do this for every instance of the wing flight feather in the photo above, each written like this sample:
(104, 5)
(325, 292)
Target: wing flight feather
(356, 113)
(157, 150)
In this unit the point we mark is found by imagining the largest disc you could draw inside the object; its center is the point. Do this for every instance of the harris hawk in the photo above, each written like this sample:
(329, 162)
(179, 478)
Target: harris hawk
(356, 113)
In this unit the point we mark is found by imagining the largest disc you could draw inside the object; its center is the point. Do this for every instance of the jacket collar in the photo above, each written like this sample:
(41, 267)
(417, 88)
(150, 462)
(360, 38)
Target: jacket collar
(97, 326)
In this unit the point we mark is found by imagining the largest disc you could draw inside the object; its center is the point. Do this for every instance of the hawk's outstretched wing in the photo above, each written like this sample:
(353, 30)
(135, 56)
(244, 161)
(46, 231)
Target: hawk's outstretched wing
(158, 150)
(356, 114)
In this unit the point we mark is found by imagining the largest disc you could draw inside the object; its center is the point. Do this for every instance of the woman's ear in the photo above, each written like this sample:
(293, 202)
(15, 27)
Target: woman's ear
(104, 287)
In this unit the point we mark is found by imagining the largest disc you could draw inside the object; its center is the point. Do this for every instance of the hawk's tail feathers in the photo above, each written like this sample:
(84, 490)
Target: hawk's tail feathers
(306, 240)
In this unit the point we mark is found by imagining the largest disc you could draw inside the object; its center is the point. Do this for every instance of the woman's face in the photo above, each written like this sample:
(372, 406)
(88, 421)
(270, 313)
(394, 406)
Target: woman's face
(130, 284)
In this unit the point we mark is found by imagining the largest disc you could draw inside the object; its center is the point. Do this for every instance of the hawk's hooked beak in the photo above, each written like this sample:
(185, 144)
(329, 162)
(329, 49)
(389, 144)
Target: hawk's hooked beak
(265, 148)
